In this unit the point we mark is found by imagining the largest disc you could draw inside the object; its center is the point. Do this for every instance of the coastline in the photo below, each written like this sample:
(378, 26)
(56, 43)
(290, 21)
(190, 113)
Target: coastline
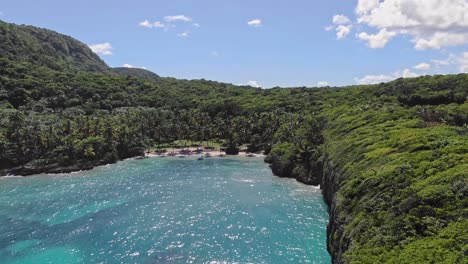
(59, 169)
(193, 151)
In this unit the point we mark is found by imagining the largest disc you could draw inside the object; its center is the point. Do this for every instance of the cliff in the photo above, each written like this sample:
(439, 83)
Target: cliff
(396, 186)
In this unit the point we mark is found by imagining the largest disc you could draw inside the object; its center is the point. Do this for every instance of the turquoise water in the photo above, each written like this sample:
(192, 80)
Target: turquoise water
(163, 210)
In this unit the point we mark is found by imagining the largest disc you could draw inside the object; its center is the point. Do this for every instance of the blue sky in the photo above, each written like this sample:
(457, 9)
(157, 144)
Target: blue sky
(286, 43)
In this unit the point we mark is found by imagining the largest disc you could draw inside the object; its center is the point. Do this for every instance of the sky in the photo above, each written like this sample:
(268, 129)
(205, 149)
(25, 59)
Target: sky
(264, 43)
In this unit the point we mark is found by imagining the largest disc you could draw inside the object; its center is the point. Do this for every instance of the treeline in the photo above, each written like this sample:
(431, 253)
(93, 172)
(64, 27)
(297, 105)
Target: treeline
(32, 142)
(28, 86)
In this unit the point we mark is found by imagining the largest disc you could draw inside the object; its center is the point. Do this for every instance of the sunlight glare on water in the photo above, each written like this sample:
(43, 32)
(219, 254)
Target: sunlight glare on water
(163, 210)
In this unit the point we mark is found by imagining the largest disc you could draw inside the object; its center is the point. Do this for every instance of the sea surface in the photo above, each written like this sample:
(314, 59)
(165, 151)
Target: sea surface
(163, 210)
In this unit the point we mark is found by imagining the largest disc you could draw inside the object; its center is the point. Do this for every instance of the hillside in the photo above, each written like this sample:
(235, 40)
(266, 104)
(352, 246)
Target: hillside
(47, 48)
(390, 158)
(135, 72)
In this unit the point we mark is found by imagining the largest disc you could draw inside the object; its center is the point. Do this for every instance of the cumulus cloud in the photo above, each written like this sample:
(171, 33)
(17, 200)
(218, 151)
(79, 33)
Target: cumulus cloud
(373, 79)
(342, 31)
(322, 84)
(254, 84)
(170, 22)
(180, 18)
(342, 25)
(378, 40)
(365, 6)
(157, 24)
(102, 48)
(341, 20)
(255, 22)
(431, 24)
(422, 66)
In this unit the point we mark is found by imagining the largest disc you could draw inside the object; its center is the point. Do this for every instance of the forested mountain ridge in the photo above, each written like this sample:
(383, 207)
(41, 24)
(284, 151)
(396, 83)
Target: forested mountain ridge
(56, 51)
(47, 48)
(391, 158)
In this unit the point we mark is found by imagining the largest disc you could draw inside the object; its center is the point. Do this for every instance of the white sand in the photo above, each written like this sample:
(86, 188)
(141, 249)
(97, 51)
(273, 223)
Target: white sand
(214, 153)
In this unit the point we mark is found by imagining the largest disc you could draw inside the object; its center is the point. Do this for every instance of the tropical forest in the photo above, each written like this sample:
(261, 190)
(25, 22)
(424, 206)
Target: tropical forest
(391, 158)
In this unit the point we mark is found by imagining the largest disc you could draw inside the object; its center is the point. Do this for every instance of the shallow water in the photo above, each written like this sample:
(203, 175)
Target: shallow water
(163, 210)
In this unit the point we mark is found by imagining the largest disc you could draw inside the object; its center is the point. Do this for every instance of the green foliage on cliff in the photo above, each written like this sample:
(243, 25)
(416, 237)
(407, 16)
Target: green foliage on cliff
(403, 187)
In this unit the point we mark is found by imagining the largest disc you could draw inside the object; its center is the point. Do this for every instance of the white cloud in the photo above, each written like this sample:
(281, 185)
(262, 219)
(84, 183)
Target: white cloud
(254, 84)
(102, 49)
(146, 24)
(341, 20)
(463, 61)
(431, 24)
(342, 25)
(378, 40)
(322, 84)
(170, 22)
(342, 31)
(365, 6)
(406, 73)
(181, 18)
(126, 65)
(215, 54)
(441, 39)
(373, 79)
(184, 34)
(158, 24)
(255, 22)
(422, 66)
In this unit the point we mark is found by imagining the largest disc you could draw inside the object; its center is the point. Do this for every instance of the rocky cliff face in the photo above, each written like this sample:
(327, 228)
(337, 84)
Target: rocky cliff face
(337, 243)
(328, 174)
(307, 172)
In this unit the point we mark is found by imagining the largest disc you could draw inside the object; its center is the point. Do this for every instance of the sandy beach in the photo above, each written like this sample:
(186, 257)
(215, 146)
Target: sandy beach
(193, 151)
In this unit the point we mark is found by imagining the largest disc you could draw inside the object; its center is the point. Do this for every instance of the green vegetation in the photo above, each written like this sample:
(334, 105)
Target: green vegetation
(403, 182)
(392, 158)
(135, 72)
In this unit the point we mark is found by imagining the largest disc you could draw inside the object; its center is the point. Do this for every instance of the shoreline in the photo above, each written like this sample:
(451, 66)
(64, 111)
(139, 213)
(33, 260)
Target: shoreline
(57, 169)
(193, 151)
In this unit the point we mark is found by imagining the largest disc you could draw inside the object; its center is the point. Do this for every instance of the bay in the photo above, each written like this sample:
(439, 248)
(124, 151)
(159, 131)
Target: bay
(163, 210)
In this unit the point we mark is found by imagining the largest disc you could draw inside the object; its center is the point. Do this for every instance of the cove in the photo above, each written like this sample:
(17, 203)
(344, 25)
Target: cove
(163, 210)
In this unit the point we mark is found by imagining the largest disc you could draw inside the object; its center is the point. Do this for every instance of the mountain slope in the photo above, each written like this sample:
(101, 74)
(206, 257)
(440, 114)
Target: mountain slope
(135, 72)
(47, 48)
